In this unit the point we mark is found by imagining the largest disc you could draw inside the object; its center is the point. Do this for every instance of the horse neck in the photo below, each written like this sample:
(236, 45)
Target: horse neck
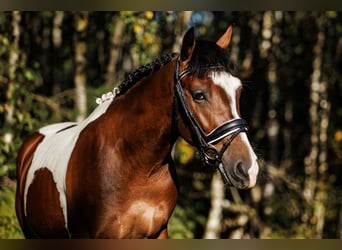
(144, 117)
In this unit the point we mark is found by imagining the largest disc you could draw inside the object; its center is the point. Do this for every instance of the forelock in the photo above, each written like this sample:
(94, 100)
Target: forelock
(208, 57)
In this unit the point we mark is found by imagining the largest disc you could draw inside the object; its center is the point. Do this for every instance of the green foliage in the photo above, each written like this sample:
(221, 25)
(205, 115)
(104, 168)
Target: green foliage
(188, 220)
(190, 215)
(9, 226)
(17, 104)
(180, 227)
(145, 31)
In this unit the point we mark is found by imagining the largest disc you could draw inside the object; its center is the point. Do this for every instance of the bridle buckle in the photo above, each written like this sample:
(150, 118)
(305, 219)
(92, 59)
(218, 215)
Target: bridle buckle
(210, 155)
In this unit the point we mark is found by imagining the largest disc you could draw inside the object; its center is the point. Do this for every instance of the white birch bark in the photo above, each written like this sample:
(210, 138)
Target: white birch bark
(80, 77)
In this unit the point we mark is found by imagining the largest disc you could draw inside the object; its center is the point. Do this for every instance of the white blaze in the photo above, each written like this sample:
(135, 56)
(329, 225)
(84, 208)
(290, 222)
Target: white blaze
(230, 84)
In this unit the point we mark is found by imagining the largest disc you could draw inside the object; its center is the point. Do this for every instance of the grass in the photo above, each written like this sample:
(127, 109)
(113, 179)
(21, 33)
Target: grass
(9, 225)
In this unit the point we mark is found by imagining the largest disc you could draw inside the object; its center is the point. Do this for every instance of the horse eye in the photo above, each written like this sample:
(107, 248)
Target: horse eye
(198, 96)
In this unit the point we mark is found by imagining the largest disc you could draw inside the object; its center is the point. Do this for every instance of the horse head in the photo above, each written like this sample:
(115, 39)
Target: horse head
(208, 92)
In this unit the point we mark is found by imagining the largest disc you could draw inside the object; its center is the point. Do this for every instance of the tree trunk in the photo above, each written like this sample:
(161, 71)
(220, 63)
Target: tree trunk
(80, 78)
(234, 54)
(213, 227)
(315, 163)
(323, 166)
(268, 47)
(115, 51)
(13, 64)
(57, 40)
(180, 29)
(267, 51)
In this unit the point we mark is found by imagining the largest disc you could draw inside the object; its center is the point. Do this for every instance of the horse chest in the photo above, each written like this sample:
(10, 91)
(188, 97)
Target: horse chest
(143, 219)
(136, 212)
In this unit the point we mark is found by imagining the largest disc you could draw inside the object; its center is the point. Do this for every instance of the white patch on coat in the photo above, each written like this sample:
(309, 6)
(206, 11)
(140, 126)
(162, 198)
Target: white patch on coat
(230, 84)
(54, 153)
(254, 168)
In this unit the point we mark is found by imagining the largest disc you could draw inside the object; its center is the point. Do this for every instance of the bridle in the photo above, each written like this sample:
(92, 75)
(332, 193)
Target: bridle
(210, 156)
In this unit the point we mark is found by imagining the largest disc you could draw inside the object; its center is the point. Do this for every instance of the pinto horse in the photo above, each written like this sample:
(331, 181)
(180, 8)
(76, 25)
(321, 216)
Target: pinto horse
(112, 175)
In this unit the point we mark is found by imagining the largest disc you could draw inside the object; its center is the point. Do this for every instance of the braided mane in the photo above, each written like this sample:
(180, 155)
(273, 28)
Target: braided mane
(136, 76)
(144, 71)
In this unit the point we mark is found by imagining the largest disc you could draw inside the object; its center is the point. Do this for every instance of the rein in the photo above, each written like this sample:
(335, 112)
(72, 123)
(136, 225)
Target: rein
(210, 156)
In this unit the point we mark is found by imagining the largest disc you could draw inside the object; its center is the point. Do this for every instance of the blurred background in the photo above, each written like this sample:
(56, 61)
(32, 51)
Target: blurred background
(53, 66)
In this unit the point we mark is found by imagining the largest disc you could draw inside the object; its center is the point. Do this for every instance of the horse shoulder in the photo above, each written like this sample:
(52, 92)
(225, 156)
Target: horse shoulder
(24, 160)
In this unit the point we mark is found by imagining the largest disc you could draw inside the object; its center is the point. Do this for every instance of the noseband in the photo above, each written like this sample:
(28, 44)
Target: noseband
(210, 156)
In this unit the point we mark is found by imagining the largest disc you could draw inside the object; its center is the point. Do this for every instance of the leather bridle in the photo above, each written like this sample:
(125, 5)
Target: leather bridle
(210, 156)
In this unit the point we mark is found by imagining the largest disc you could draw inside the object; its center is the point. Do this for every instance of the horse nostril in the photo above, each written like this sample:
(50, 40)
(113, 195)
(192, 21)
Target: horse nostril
(240, 170)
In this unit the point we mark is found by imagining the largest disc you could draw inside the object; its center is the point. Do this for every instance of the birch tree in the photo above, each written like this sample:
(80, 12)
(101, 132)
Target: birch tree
(217, 196)
(116, 42)
(316, 161)
(180, 29)
(80, 78)
(13, 64)
(57, 41)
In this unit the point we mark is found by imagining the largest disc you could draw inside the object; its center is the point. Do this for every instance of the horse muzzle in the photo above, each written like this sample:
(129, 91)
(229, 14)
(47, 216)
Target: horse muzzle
(238, 171)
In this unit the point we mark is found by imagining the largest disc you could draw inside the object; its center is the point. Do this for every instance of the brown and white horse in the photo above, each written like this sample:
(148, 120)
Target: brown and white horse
(111, 176)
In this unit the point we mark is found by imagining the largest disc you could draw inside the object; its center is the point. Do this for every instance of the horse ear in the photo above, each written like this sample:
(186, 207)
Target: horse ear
(224, 40)
(188, 45)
